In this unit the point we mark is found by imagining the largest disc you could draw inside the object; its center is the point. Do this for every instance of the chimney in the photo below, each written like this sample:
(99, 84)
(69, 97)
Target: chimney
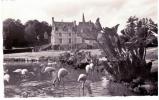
(89, 21)
(52, 19)
(53, 23)
(74, 23)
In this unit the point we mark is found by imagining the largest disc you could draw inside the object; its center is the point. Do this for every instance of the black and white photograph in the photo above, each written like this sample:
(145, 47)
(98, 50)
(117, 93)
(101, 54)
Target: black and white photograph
(79, 48)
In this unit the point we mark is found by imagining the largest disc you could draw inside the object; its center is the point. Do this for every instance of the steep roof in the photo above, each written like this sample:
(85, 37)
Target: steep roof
(65, 25)
(87, 30)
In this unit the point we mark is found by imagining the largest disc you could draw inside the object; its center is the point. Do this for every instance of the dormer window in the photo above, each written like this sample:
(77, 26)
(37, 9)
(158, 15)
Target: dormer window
(60, 34)
(65, 28)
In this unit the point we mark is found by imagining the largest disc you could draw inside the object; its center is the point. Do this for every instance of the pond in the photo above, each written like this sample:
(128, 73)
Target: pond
(38, 84)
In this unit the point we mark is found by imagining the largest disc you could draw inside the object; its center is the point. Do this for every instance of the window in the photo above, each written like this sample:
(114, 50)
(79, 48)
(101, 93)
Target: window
(60, 34)
(56, 28)
(69, 40)
(60, 40)
(74, 29)
(65, 28)
(81, 30)
(69, 34)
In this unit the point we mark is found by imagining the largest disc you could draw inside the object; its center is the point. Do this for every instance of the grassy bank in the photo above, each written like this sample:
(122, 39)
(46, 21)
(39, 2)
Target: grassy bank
(151, 53)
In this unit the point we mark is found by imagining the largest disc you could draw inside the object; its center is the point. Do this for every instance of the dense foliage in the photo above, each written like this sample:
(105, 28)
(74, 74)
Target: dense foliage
(32, 33)
(126, 53)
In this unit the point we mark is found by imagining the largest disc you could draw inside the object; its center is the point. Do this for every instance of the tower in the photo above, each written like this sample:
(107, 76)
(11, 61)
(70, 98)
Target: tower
(83, 19)
(53, 32)
(53, 23)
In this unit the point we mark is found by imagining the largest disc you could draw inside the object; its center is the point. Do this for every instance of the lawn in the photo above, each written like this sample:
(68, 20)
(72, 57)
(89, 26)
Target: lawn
(152, 53)
(49, 53)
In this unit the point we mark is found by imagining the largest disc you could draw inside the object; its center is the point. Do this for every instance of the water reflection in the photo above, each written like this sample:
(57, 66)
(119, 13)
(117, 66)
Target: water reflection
(39, 84)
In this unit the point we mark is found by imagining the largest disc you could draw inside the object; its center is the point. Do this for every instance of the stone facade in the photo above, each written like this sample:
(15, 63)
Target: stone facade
(70, 35)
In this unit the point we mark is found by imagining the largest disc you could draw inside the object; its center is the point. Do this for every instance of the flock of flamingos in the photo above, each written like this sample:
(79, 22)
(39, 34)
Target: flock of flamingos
(61, 74)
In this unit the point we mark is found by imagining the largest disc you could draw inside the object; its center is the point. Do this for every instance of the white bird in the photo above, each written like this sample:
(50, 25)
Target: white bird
(89, 70)
(82, 78)
(91, 65)
(105, 82)
(61, 74)
(50, 70)
(17, 70)
(4, 64)
(103, 59)
(23, 72)
(6, 78)
(6, 71)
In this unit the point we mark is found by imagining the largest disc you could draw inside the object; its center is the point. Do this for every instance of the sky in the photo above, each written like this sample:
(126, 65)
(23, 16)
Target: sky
(110, 12)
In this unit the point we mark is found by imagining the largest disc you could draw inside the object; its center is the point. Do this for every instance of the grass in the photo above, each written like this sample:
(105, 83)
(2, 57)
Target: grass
(151, 53)
(115, 89)
(49, 53)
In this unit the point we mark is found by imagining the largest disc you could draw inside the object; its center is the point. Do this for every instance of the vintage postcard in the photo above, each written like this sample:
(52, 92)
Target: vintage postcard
(79, 48)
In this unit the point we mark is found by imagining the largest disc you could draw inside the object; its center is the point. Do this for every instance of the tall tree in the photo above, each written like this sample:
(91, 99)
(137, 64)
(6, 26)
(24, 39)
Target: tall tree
(31, 32)
(139, 28)
(13, 32)
(126, 60)
(35, 30)
(45, 30)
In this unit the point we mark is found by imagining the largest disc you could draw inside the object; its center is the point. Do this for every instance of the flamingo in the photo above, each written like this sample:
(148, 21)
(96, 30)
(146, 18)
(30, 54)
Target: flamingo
(89, 70)
(85, 83)
(23, 72)
(6, 77)
(4, 64)
(61, 74)
(82, 78)
(50, 70)
(105, 82)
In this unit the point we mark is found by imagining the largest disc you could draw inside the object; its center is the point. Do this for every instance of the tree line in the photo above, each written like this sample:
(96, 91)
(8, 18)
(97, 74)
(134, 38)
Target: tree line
(31, 33)
(34, 32)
